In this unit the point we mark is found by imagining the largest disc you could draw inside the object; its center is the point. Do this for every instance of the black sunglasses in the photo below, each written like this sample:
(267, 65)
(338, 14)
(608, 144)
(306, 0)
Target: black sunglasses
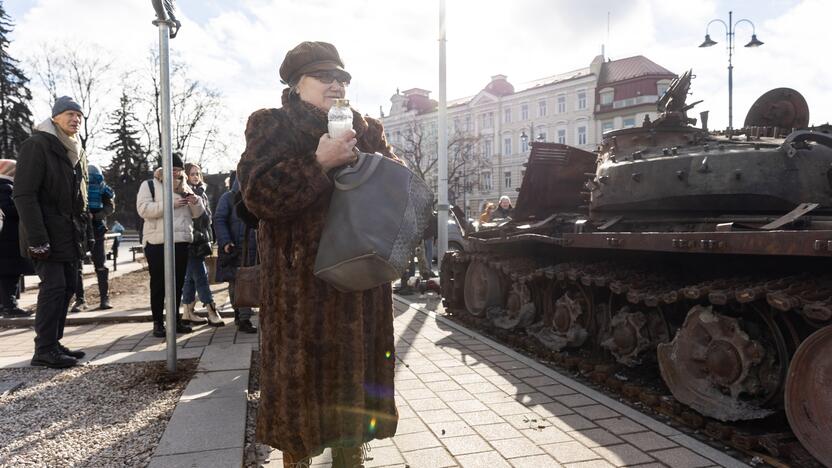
(327, 77)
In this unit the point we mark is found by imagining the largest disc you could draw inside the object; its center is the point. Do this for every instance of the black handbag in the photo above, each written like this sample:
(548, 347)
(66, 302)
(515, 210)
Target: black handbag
(247, 280)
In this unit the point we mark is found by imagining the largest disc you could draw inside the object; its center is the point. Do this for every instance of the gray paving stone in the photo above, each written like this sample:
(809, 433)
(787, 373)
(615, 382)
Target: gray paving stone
(415, 393)
(514, 448)
(508, 408)
(548, 410)
(466, 444)
(547, 435)
(623, 455)
(706, 451)
(208, 459)
(595, 437)
(494, 397)
(454, 395)
(199, 425)
(596, 412)
(590, 464)
(620, 425)
(410, 426)
(540, 381)
(434, 377)
(438, 416)
(225, 357)
(444, 386)
(538, 461)
(432, 457)
(570, 452)
(427, 404)
(648, 441)
(451, 429)
(221, 384)
(497, 431)
(479, 418)
(483, 460)
(467, 406)
(681, 457)
(576, 400)
(384, 456)
(416, 441)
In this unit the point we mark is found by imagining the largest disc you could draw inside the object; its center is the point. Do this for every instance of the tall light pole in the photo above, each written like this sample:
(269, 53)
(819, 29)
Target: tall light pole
(442, 207)
(730, 30)
(168, 28)
(525, 138)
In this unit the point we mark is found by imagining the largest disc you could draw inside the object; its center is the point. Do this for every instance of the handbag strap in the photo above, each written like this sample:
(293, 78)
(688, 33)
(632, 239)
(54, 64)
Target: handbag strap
(245, 245)
(358, 167)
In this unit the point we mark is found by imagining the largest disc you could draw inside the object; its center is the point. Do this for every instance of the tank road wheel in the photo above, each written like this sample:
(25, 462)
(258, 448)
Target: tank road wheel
(631, 333)
(711, 362)
(809, 394)
(519, 309)
(483, 289)
(568, 324)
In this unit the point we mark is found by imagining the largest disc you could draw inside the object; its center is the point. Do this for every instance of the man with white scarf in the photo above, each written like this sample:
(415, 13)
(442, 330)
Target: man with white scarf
(49, 199)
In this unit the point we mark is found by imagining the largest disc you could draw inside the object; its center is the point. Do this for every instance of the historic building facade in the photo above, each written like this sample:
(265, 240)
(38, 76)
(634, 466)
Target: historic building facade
(490, 130)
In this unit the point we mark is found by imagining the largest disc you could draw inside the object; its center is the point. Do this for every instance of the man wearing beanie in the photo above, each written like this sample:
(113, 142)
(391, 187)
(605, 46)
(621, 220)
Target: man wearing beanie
(48, 195)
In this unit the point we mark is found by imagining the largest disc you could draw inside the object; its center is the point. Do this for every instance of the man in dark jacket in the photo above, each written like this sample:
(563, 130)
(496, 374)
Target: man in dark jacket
(12, 265)
(47, 194)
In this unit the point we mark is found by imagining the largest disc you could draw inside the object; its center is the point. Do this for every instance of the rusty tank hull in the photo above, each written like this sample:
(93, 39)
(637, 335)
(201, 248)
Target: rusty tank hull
(704, 254)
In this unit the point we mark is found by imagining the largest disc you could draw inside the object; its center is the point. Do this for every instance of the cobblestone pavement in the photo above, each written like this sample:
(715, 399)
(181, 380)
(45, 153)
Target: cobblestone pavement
(466, 401)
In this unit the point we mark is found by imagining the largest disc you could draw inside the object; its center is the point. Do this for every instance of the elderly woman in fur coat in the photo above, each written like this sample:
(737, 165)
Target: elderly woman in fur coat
(327, 357)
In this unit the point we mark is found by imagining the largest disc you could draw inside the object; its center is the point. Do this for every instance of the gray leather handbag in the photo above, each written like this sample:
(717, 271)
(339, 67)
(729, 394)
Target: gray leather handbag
(377, 215)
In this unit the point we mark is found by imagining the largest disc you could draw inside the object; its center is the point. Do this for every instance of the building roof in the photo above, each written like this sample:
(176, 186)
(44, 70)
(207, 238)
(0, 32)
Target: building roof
(628, 68)
(571, 75)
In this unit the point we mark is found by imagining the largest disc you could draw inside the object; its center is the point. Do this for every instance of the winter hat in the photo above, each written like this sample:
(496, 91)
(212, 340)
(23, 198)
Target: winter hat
(308, 57)
(65, 103)
(7, 168)
(177, 160)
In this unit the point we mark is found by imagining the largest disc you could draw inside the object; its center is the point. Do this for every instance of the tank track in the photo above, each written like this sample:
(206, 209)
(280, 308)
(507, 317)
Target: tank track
(801, 299)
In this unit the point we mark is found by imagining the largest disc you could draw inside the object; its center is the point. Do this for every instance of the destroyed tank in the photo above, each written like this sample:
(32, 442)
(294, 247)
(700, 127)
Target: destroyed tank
(704, 253)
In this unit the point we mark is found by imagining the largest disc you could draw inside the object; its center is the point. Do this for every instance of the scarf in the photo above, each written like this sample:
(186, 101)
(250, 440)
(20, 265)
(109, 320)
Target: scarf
(71, 143)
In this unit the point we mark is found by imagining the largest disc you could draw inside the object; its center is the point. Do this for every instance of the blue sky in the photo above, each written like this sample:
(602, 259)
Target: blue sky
(237, 45)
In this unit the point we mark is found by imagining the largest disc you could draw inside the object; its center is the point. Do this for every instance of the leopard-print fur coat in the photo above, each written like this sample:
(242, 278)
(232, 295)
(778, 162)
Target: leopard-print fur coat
(327, 358)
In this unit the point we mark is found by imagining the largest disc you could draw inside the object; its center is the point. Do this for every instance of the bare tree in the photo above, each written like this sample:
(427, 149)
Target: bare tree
(195, 113)
(419, 145)
(84, 72)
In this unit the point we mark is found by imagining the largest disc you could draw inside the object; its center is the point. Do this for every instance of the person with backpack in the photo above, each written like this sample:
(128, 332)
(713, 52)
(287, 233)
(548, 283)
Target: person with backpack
(233, 253)
(196, 275)
(101, 203)
(186, 207)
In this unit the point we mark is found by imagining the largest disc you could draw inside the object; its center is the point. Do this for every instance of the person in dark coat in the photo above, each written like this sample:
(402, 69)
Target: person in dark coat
(230, 232)
(504, 209)
(12, 265)
(49, 199)
(327, 357)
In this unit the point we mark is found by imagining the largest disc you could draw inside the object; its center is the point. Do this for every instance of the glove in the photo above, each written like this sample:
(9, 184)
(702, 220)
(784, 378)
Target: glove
(39, 252)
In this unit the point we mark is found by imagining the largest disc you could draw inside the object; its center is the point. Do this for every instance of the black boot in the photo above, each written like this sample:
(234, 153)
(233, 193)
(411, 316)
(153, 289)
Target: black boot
(245, 326)
(182, 328)
(77, 354)
(236, 317)
(159, 330)
(53, 359)
(104, 288)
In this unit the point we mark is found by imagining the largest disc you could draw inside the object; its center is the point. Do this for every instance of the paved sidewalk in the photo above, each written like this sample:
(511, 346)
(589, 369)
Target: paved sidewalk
(467, 401)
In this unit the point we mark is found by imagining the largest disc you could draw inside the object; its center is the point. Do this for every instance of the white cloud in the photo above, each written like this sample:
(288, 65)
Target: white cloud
(237, 46)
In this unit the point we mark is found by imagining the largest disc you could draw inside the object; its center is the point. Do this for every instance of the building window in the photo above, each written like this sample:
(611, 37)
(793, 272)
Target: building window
(524, 112)
(467, 123)
(607, 126)
(507, 146)
(507, 116)
(541, 109)
(456, 124)
(561, 104)
(488, 120)
(487, 150)
(507, 179)
(582, 100)
(486, 181)
(629, 122)
(581, 135)
(661, 88)
(606, 98)
(562, 136)
(524, 145)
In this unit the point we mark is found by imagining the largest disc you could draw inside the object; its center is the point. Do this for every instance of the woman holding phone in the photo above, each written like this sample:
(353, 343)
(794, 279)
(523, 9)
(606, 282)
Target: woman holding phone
(186, 207)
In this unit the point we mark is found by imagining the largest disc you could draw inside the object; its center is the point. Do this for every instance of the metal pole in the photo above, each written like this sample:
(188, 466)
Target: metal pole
(167, 196)
(730, 75)
(442, 208)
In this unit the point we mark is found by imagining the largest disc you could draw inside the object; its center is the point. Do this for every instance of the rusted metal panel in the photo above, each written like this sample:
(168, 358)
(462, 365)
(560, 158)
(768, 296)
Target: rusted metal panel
(793, 243)
(555, 177)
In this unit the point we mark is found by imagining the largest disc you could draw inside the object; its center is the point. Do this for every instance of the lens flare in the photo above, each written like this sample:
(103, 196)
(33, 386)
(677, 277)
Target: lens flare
(373, 424)
(388, 354)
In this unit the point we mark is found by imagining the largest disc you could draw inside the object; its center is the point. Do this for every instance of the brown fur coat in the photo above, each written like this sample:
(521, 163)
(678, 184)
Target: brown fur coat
(327, 358)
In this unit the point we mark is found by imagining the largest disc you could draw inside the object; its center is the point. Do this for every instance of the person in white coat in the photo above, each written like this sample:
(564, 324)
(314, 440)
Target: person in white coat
(186, 207)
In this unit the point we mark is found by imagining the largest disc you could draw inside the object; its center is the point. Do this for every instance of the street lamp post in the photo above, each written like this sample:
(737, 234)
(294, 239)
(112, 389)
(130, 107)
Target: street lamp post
(525, 138)
(730, 30)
